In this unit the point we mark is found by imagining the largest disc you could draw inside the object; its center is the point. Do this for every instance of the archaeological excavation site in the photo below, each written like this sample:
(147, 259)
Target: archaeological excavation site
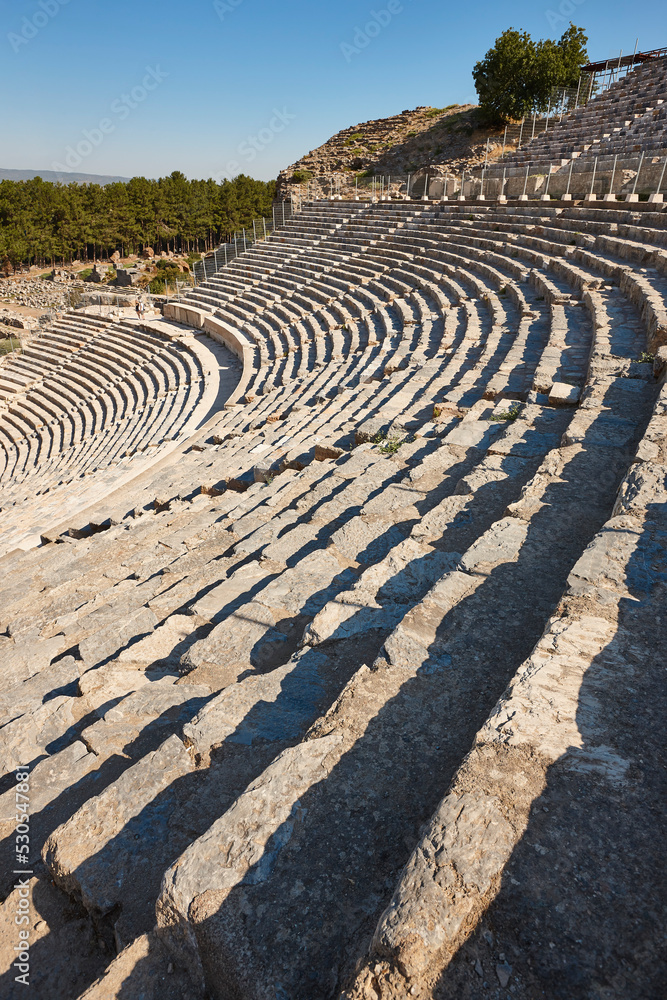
(333, 606)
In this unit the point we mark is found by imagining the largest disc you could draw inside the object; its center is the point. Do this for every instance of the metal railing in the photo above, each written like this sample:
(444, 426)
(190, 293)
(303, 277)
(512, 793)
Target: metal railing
(563, 101)
(610, 178)
(360, 187)
(602, 75)
(241, 240)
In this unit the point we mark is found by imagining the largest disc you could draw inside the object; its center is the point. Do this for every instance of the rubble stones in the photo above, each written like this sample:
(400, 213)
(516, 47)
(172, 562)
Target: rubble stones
(34, 293)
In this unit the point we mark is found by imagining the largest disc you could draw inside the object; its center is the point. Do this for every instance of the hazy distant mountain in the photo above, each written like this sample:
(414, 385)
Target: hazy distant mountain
(52, 175)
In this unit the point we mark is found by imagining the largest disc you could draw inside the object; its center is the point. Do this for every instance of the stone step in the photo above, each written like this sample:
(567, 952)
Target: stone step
(420, 678)
(555, 729)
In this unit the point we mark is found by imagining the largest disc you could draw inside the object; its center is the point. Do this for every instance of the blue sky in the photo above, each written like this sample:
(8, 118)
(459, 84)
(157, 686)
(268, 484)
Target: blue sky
(231, 86)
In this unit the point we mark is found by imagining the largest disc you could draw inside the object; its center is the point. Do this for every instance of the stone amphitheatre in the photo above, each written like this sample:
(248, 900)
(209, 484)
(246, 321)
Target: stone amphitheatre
(333, 601)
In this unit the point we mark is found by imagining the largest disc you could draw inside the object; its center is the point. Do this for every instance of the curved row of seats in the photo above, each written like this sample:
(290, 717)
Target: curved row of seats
(623, 121)
(247, 718)
(383, 308)
(87, 392)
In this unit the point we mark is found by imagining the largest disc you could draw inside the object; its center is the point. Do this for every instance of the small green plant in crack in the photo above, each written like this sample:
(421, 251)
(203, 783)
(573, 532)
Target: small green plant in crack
(511, 414)
(645, 358)
(390, 447)
(269, 479)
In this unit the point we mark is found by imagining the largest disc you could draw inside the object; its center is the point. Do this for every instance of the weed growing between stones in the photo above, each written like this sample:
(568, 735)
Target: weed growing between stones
(511, 414)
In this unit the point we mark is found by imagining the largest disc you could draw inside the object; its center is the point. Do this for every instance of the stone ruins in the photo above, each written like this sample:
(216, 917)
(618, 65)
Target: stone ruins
(333, 612)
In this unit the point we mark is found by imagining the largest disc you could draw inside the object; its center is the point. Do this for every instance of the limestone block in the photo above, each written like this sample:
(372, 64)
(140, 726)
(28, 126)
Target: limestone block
(643, 492)
(500, 544)
(243, 839)
(523, 441)
(366, 541)
(474, 434)
(26, 696)
(144, 970)
(110, 640)
(562, 394)
(619, 561)
(23, 659)
(236, 643)
(62, 970)
(307, 587)
(155, 708)
(222, 596)
(162, 646)
(273, 707)
(469, 835)
(116, 680)
(50, 778)
(600, 429)
(653, 446)
(88, 854)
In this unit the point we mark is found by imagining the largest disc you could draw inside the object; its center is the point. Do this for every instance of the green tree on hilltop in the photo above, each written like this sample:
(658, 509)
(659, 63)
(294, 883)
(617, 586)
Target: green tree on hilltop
(517, 76)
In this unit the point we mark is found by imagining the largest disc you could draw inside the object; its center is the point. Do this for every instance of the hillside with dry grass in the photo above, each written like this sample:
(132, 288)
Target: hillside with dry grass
(438, 139)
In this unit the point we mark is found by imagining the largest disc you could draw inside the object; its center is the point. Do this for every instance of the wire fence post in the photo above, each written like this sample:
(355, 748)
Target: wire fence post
(567, 196)
(591, 195)
(657, 197)
(634, 196)
(524, 196)
(610, 196)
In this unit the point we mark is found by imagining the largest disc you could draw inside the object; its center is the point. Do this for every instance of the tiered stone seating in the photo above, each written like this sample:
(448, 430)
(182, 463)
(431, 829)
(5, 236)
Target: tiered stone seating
(248, 703)
(99, 393)
(624, 120)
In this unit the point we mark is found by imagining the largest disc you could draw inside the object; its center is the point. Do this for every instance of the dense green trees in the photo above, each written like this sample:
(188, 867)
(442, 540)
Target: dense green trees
(43, 223)
(517, 76)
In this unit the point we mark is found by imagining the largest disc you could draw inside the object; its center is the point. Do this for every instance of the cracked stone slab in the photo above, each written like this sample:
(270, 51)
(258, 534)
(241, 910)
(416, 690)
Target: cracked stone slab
(89, 854)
